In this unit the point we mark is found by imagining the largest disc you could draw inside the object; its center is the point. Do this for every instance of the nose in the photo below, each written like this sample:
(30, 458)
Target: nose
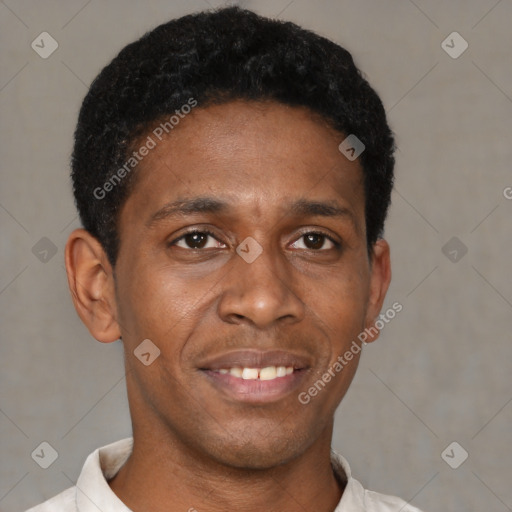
(262, 293)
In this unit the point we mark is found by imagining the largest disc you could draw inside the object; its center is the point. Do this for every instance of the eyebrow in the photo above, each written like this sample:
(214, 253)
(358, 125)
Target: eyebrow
(190, 206)
(198, 205)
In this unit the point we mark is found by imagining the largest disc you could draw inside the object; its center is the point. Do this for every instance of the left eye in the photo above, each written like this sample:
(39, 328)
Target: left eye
(315, 241)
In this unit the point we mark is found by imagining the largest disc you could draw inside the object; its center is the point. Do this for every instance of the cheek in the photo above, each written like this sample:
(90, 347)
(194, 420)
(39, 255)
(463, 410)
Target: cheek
(151, 304)
(341, 302)
(157, 304)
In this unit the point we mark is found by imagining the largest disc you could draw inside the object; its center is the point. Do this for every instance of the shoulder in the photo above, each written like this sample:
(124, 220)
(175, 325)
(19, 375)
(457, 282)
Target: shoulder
(63, 502)
(99, 466)
(358, 499)
(377, 502)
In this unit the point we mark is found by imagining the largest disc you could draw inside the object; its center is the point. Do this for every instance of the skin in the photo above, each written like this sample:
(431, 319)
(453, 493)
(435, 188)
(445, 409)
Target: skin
(194, 447)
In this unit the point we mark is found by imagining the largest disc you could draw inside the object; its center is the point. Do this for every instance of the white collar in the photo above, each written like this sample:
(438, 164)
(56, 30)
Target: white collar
(93, 494)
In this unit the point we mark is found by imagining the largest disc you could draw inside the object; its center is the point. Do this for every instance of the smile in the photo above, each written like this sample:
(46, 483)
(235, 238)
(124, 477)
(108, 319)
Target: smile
(255, 376)
(267, 373)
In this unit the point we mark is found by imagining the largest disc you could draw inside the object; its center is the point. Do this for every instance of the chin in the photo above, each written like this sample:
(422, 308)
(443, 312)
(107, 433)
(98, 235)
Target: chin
(253, 450)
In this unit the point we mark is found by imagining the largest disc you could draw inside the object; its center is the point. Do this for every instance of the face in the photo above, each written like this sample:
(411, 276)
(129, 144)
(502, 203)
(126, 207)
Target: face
(243, 258)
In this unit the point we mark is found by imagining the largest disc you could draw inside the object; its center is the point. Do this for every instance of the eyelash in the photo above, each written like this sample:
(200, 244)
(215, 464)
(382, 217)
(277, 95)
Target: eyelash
(210, 233)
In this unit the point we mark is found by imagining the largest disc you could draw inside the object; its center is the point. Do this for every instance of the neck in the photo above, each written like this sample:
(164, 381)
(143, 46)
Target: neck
(160, 475)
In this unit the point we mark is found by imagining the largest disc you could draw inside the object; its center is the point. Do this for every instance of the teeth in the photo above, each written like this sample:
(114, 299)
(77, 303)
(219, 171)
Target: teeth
(281, 371)
(267, 373)
(236, 372)
(249, 373)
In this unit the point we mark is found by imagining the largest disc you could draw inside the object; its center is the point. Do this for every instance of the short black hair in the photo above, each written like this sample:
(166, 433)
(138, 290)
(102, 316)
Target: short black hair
(218, 56)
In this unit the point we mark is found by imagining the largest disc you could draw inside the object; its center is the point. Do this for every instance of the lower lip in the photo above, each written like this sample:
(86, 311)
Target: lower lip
(256, 390)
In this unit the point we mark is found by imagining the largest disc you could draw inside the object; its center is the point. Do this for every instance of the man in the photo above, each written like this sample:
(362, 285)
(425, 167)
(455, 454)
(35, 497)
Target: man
(232, 174)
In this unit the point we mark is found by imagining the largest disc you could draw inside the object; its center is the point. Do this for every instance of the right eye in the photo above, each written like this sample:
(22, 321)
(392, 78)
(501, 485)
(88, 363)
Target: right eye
(197, 240)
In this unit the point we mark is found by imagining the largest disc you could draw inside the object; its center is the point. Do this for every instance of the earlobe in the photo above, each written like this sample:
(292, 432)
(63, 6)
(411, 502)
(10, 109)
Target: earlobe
(91, 283)
(380, 277)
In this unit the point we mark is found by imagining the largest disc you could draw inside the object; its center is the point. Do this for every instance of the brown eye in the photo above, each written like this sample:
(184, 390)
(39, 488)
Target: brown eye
(314, 241)
(197, 240)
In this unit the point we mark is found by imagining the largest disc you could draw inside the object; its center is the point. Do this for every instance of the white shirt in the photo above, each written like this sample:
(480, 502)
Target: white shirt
(93, 494)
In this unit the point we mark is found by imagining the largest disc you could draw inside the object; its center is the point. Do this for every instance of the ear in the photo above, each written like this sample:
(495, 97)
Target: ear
(91, 282)
(380, 277)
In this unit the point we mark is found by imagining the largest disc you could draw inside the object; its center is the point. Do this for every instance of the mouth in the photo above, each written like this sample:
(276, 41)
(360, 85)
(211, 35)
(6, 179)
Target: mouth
(267, 373)
(254, 376)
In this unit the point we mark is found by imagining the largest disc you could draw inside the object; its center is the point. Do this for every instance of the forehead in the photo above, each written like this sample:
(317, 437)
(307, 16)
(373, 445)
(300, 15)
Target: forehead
(259, 155)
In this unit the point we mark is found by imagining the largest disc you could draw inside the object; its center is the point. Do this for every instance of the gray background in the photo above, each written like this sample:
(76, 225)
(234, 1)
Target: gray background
(441, 370)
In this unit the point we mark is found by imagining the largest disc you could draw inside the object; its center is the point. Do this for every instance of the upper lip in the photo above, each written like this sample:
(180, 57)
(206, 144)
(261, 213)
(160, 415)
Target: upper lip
(256, 359)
